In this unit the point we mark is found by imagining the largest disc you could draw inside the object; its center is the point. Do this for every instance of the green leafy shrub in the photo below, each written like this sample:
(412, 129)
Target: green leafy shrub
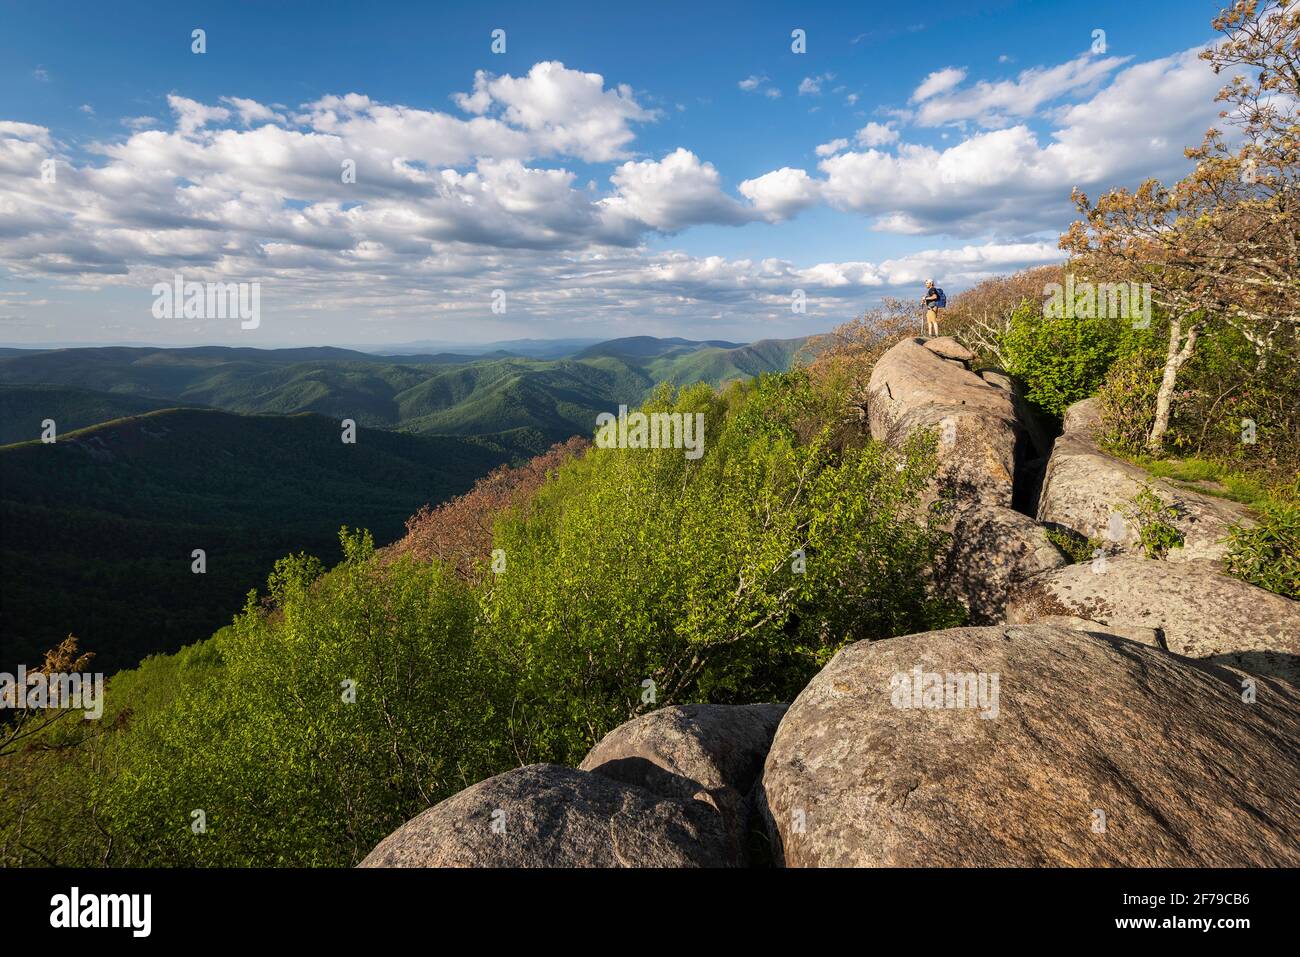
(50, 807)
(730, 578)
(1077, 548)
(1230, 406)
(284, 767)
(1236, 407)
(1154, 520)
(1062, 360)
(1268, 555)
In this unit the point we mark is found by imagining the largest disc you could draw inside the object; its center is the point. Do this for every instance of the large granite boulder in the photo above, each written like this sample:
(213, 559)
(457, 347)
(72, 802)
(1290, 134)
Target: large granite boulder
(1089, 491)
(697, 752)
(545, 815)
(1094, 751)
(913, 386)
(991, 548)
(1197, 610)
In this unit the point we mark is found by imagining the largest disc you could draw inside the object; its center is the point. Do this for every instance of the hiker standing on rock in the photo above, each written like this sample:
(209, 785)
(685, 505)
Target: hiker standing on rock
(934, 301)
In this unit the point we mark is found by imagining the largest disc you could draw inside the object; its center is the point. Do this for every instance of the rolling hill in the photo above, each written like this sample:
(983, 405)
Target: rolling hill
(447, 393)
(24, 407)
(237, 451)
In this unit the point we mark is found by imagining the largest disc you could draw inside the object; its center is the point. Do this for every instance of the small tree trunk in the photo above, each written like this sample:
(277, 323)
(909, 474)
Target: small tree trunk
(1165, 397)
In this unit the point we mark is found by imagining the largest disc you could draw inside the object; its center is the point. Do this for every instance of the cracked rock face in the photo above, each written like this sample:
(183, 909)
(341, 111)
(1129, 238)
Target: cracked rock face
(1197, 610)
(991, 549)
(697, 752)
(913, 386)
(545, 815)
(1096, 751)
(1084, 487)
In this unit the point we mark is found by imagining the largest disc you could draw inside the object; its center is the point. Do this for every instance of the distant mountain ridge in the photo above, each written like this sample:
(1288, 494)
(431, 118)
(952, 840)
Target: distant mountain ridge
(445, 393)
(526, 348)
(645, 346)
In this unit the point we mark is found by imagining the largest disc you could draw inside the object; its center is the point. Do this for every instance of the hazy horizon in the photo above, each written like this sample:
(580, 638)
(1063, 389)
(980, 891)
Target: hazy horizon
(441, 344)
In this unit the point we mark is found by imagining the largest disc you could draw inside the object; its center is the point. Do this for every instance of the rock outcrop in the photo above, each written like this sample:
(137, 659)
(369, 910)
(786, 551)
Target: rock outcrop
(1143, 636)
(668, 789)
(1095, 751)
(545, 815)
(1088, 492)
(697, 752)
(914, 386)
(999, 379)
(991, 549)
(1197, 610)
(949, 348)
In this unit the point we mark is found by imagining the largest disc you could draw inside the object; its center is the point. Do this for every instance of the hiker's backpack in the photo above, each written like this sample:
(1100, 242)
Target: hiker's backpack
(943, 300)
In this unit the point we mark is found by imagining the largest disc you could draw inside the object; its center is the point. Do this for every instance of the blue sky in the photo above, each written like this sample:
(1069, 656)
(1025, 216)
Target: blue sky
(667, 169)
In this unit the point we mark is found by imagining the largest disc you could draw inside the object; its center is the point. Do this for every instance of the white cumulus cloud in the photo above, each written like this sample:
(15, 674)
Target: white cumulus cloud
(940, 81)
(781, 193)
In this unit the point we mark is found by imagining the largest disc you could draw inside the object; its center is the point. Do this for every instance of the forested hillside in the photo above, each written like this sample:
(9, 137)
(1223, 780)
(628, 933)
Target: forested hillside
(99, 526)
(23, 409)
(438, 394)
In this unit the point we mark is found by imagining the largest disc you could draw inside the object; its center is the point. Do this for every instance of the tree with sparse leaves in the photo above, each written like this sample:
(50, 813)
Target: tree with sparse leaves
(1223, 244)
